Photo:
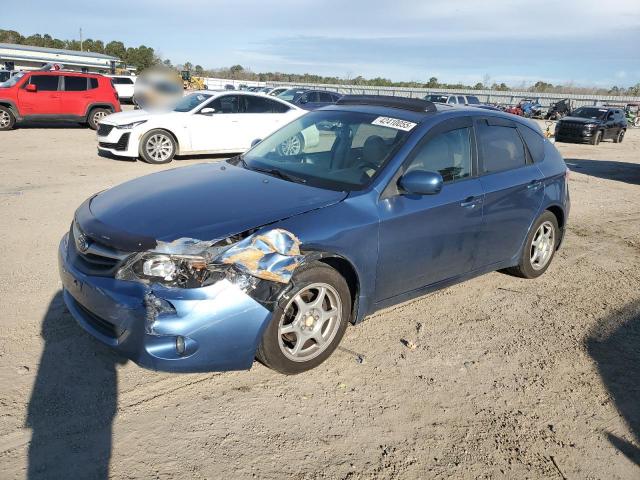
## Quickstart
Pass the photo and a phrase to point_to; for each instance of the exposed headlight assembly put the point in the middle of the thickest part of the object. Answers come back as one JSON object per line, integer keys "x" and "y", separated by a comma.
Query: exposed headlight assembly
{"x": 131, "y": 125}
{"x": 189, "y": 263}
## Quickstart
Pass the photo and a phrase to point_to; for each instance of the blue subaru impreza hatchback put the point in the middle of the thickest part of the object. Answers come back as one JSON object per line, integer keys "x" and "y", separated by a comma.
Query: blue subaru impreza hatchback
{"x": 271, "y": 254}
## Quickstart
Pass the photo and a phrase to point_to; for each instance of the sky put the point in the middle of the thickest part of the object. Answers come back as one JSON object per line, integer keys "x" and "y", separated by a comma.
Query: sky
{"x": 583, "y": 42}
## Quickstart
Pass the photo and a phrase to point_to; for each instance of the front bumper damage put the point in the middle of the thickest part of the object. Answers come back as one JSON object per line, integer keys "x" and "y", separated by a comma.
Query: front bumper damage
{"x": 211, "y": 328}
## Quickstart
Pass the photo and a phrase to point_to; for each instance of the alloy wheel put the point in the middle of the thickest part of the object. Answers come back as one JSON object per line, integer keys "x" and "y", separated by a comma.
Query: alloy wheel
{"x": 99, "y": 115}
{"x": 159, "y": 147}
{"x": 310, "y": 322}
{"x": 542, "y": 245}
{"x": 5, "y": 119}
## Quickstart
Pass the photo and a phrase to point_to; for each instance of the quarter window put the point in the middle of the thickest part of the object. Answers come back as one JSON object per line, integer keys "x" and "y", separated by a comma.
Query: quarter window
{"x": 448, "y": 154}
{"x": 45, "y": 83}
{"x": 93, "y": 83}
{"x": 500, "y": 148}
{"x": 75, "y": 84}
{"x": 534, "y": 141}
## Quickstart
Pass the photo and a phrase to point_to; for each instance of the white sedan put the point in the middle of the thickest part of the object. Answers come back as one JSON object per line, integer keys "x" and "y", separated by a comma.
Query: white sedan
{"x": 202, "y": 122}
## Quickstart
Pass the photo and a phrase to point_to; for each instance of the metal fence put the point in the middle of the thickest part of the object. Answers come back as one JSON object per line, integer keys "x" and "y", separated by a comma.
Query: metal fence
{"x": 486, "y": 96}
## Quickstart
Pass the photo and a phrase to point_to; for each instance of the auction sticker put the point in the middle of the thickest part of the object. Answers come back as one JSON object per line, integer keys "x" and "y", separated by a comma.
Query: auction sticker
{"x": 394, "y": 123}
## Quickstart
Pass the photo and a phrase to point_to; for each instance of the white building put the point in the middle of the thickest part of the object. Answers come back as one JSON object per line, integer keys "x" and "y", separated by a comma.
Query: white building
{"x": 26, "y": 57}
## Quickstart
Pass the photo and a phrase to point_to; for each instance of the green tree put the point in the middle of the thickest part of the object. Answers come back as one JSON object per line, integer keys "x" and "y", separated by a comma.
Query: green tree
{"x": 187, "y": 66}
{"x": 115, "y": 49}
{"x": 199, "y": 70}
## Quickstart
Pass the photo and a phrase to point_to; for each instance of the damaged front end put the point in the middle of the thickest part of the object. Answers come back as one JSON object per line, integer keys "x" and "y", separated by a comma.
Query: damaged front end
{"x": 189, "y": 305}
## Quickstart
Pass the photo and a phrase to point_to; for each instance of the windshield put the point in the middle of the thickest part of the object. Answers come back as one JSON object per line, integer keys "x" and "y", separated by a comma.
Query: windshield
{"x": 191, "y": 101}
{"x": 13, "y": 80}
{"x": 290, "y": 94}
{"x": 590, "y": 112}
{"x": 337, "y": 150}
{"x": 436, "y": 98}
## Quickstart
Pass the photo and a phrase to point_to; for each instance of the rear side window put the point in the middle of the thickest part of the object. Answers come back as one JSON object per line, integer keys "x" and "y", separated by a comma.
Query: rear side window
{"x": 534, "y": 142}
{"x": 93, "y": 83}
{"x": 45, "y": 83}
{"x": 326, "y": 97}
{"x": 500, "y": 148}
{"x": 75, "y": 84}
{"x": 448, "y": 154}
{"x": 461, "y": 100}
{"x": 263, "y": 105}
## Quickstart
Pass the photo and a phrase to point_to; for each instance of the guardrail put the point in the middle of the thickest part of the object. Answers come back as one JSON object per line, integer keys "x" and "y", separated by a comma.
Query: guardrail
{"x": 486, "y": 96}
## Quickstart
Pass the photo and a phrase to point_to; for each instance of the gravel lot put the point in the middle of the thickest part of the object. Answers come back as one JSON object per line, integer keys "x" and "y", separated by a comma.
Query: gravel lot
{"x": 511, "y": 378}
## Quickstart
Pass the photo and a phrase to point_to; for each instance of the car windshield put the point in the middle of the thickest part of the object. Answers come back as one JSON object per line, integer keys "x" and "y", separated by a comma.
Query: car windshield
{"x": 290, "y": 94}
{"x": 191, "y": 101}
{"x": 13, "y": 80}
{"x": 436, "y": 98}
{"x": 337, "y": 150}
{"x": 590, "y": 112}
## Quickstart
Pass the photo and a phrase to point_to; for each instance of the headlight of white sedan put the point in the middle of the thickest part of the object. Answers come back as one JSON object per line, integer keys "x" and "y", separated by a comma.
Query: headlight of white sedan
{"x": 131, "y": 125}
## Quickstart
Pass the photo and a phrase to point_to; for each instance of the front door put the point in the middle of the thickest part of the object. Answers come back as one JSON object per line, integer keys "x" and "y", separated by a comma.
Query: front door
{"x": 45, "y": 100}
{"x": 220, "y": 130}
{"x": 430, "y": 238}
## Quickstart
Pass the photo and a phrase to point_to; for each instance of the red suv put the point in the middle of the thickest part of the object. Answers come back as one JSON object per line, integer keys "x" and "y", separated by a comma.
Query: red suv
{"x": 57, "y": 96}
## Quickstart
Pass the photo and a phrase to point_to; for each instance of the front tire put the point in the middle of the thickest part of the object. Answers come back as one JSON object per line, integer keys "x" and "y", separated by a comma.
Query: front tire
{"x": 596, "y": 138}
{"x": 306, "y": 331}
{"x": 540, "y": 247}
{"x": 95, "y": 116}
{"x": 158, "y": 147}
{"x": 7, "y": 119}
{"x": 292, "y": 146}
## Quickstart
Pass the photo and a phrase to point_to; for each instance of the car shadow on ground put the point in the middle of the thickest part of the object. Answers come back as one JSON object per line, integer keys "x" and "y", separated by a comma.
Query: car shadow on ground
{"x": 607, "y": 169}
{"x": 614, "y": 344}
{"x": 73, "y": 401}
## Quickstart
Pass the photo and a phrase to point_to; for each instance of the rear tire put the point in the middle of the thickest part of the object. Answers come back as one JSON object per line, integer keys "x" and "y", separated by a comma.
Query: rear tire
{"x": 596, "y": 138}
{"x": 7, "y": 119}
{"x": 302, "y": 334}
{"x": 539, "y": 248}
{"x": 158, "y": 147}
{"x": 95, "y": 116}
{"x": 619, "y": 137}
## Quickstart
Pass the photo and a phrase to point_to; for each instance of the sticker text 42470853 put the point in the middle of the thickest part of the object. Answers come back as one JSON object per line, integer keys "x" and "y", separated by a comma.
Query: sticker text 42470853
{"x": 394, "y": 123}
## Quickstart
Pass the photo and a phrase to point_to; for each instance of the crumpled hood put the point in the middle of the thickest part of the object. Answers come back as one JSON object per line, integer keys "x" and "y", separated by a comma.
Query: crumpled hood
{"x": 205, "y": 202}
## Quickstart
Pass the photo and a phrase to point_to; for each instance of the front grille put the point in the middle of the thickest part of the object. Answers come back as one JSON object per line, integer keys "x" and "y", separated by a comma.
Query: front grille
{"x": 100, "y": 324}
{"x": 120, "y": 145}
{"x": 104, "y": 130}
{"x": 571, "y": 128}
{"x": 97, "y": 259}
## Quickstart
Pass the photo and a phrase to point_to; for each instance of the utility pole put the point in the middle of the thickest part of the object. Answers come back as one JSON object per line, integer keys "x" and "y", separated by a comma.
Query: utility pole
{"x": 81, "y": 39}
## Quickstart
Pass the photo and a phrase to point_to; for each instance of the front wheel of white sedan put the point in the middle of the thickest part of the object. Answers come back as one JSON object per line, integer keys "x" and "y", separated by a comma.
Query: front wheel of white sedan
{"x": 306, "y": 331}
{"x": 158, "y": 146}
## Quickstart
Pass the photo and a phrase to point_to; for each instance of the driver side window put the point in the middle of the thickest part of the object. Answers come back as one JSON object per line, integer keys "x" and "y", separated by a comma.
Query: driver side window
{"x": 448, "y": 153}
{"x": 226, "y": 104}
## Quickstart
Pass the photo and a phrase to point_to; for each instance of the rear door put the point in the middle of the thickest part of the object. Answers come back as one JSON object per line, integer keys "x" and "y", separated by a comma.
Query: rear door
{"x": 74, "y": 95}
{"x": 513, "y": 189}
{"x": 45, "y": 100}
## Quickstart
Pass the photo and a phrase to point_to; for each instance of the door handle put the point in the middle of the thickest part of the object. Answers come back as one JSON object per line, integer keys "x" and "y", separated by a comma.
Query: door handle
{"x": 471, "y": 202}
{"x": 534, "y": 185}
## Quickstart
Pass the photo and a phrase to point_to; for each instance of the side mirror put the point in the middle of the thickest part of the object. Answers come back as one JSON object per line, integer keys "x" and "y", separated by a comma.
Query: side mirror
{"x": 208, "y": 111}
{"x": 255, "y": 142}
{"x": 420, "y": 182}
{"x": 31, "y": 88}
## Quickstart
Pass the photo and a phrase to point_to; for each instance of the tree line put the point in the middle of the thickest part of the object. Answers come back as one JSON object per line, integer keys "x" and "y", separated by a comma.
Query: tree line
{"x": 143, "y": 57}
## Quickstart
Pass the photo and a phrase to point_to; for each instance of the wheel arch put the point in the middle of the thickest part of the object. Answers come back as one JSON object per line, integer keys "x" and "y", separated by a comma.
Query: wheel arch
{"x": 11, "y": 106}
{"x": 345, "y": 268}
{"x": 93, "y": 106}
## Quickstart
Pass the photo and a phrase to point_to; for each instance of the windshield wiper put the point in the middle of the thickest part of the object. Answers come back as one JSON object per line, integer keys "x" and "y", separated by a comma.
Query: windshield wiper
{"x": 277, "y": 173}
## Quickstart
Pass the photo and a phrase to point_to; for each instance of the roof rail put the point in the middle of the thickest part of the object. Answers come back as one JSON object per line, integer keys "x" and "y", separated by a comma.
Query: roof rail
{"x": 404, "y": 103}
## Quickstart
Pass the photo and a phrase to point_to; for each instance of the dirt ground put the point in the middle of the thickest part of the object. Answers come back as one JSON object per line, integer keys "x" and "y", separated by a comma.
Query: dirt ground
{"x": 511, "y": 378}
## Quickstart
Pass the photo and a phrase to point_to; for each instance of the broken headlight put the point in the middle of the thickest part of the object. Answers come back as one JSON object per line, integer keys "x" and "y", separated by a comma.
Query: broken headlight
{"x": 186, "y": 271}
